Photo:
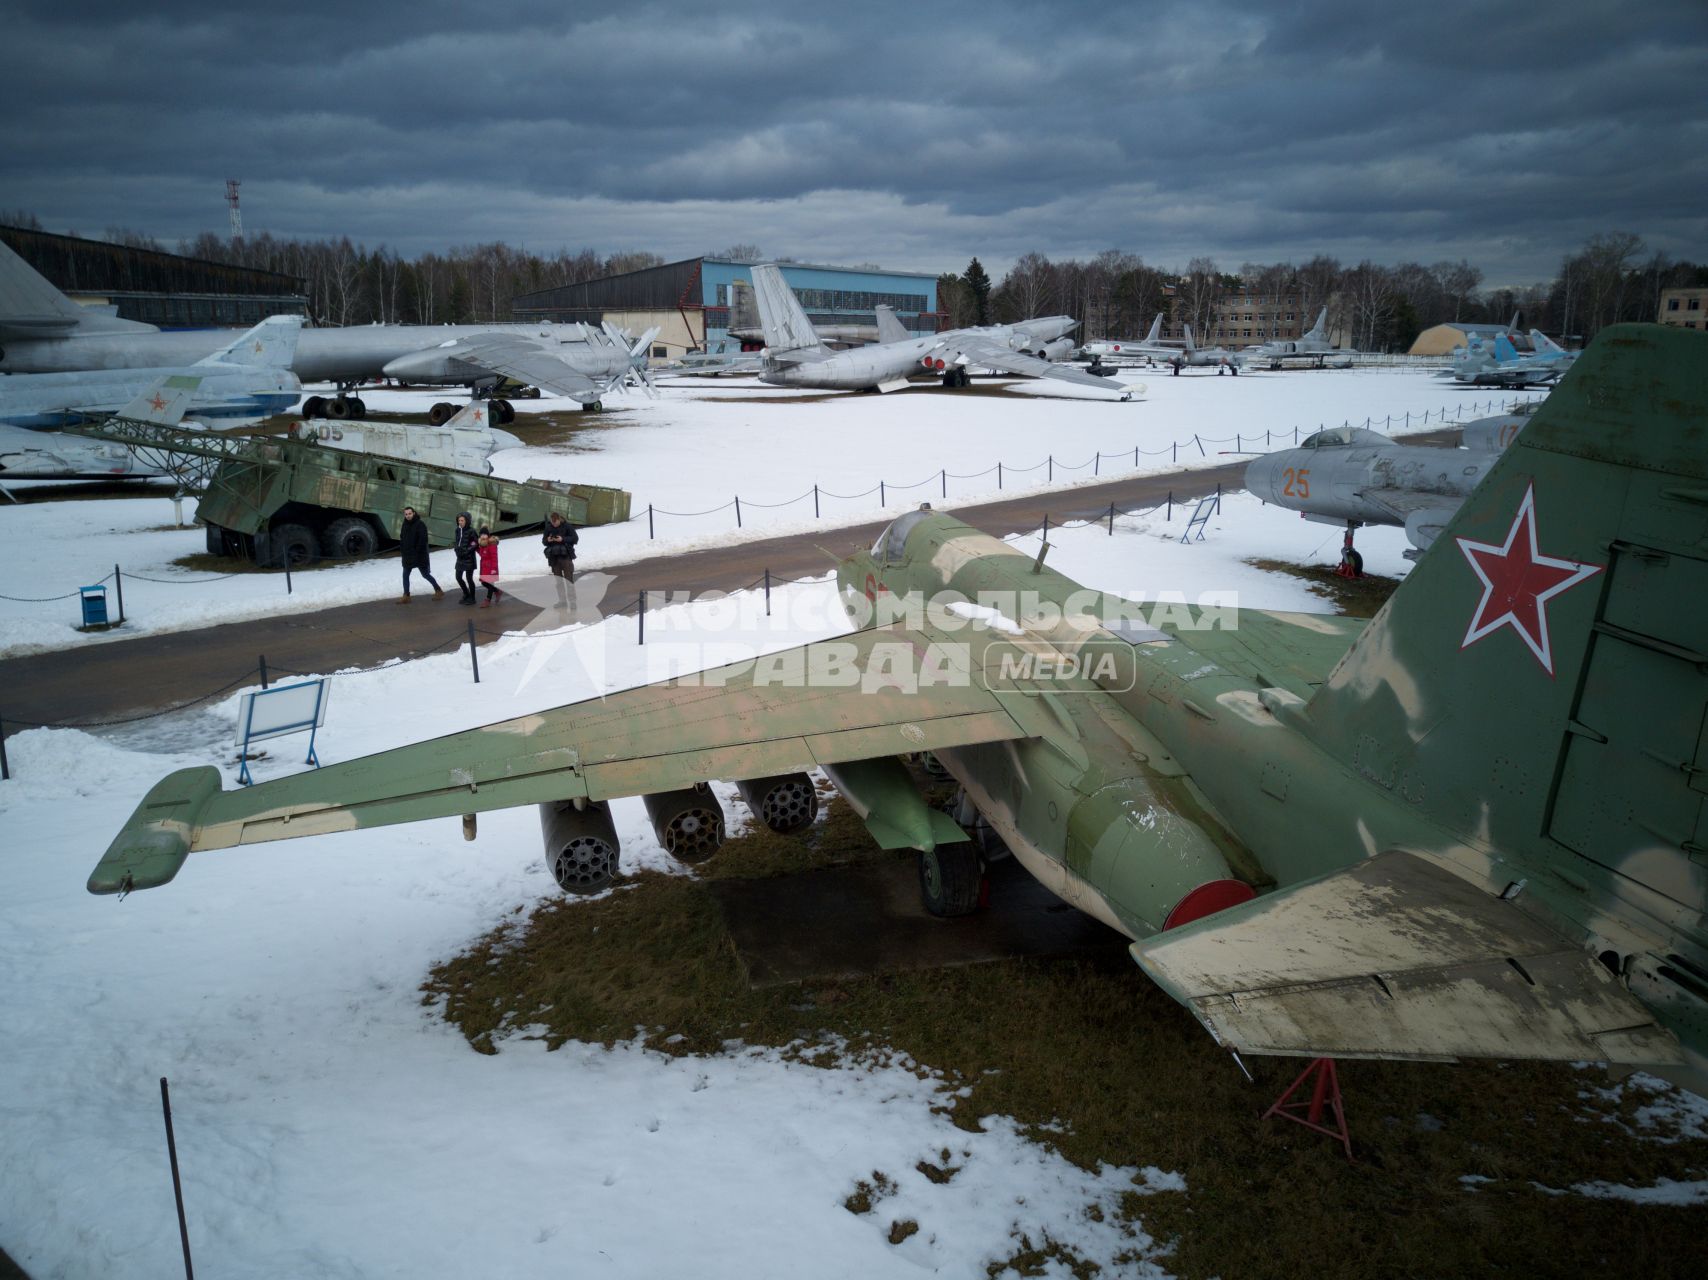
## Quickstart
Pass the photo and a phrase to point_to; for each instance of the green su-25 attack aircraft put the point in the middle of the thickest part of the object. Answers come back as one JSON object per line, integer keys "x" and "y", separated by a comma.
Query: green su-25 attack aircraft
{"x": 1474, "y": 827}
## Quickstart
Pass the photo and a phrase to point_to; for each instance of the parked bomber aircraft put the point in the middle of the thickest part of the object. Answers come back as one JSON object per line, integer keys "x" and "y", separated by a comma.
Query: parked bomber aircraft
{"x": 586, "y": 371}
{"x": 43, "y": 331}
{"x": 1311, "y": 347}
{"x": 710, "y": 364}
{"x": 1349, "y": 477}
{"x": 248, "y": 379}
{"x": 795, "y": 357}
{"x": 1469, "y": 828}
{"x": 1149, "y": 348}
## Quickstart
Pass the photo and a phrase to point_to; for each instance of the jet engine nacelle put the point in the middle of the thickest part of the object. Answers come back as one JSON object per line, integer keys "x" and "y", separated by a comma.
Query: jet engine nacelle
{"x": 689, "y": 823}
{"x": 1060, "y": 349}
{"x": 786, "y": 804}
{"x": 581, "y": 845}
{"x": 1146, "y": 859}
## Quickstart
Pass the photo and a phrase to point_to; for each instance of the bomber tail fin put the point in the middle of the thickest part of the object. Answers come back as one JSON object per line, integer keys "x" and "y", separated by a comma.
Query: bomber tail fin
{"x": 890, "y": 329}
{"x": 1190, "y": 345}
{"x": 1540, "y": 681}
{"x": 781, "y": 318}
{"x": 272, "y": 344}
{"x": 1316, "y": 330}
{"x": 1156, "y": 329}
{"x": 30, "y": 305}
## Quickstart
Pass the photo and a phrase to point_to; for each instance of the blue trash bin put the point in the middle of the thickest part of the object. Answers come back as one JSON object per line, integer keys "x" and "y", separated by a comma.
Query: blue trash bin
{"x": 94, "y": 606}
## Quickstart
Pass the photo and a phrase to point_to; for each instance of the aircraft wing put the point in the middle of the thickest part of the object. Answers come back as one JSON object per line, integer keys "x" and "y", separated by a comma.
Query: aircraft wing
{"x": 1397, "y": 957}
{"x": 528, "y": 362}
{"x": 991, "y": 355}
{"x": 742, "y": 721}
{"x": 1402, "y": 503}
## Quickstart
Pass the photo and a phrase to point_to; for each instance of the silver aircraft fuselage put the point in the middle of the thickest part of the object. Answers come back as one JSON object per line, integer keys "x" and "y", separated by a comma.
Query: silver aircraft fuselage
{"x": 322, "y": 355}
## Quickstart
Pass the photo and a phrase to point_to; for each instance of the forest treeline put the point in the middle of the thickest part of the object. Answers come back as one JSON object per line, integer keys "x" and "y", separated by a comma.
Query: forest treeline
{"x": 1612, "y": 277}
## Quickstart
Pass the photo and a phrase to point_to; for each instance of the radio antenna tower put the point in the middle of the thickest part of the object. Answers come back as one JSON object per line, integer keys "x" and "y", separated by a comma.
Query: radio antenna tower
{"x": 231, "y": 185}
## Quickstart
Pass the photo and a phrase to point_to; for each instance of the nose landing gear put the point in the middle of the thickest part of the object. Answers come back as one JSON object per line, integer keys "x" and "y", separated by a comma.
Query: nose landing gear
{"x": 1351, "y": 562}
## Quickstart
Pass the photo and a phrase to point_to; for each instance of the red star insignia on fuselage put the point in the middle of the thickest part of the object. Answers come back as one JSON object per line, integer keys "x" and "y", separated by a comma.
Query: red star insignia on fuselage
{"x": 477, "y": 416}
{"x": 159, "y": 402}
{"x": 1518, "y": 581}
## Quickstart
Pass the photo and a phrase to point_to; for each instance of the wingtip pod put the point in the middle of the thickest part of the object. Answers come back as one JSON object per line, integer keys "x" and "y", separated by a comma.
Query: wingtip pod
{"x": 155, "y": 841}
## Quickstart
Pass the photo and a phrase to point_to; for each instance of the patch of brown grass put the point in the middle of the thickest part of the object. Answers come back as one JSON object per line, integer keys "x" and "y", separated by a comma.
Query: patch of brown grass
{"x": 1100, "y": 1065}
{"x": 1352, "y": 597}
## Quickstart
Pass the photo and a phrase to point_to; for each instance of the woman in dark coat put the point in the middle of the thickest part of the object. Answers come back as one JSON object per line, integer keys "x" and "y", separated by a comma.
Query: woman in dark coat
{"x": 412, "y": 537}
{"x": 465, "y": 546}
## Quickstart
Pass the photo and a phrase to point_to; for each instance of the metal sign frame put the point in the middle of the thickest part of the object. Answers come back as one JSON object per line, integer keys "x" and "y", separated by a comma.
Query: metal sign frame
{"x": 292, "y": 719}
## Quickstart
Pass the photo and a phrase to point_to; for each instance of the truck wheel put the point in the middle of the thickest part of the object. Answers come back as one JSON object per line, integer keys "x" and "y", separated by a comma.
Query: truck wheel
{"x": 950, "y": 878}
{"x": 216, "y": 540}
{"x": 292, "y": 546}
{"x": 349, "y": 538}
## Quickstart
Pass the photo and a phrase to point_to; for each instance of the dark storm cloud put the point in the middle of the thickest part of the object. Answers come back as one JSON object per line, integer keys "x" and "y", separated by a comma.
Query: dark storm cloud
{"x": 893, "y": 133}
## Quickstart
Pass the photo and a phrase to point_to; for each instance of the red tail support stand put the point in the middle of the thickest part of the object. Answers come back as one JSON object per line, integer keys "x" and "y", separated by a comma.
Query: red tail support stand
{"x": 1325, "y": 1091}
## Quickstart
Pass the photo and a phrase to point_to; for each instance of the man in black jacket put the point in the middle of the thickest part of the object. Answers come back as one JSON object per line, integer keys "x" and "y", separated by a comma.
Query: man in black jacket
{"x": 559, "y": 539}
{"x": 412, "y": 538}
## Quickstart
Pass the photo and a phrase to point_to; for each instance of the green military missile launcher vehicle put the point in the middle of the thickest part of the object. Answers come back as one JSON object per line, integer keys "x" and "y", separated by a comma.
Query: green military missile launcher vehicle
{"x": 289, "y": 502}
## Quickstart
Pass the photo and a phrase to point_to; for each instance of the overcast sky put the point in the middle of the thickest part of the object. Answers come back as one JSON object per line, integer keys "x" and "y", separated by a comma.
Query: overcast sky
{"x": 1505, "y": 131}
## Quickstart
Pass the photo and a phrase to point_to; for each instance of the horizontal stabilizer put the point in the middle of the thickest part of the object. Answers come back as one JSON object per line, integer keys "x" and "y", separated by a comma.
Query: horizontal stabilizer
{"x": 1397, "y": 957}
{"x": 165, "y": 403}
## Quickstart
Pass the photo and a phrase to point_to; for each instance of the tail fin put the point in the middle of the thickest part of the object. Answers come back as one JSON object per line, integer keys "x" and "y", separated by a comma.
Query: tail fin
{"x": 164, "y": 403}
{"x": 1504, "y": 351}
{"x": 1543, "y": 345}
{"x": 272, "y": 344}
{"x": 784, "y": 324}
{"x": 1540, "y": 681}
{"x": 889, "y": 328}
{"x": 1156, "y": 329}
{"x": 30, "y": 306}
{"x": 1190, "y": 348}
{"x": 1316, "y": 330}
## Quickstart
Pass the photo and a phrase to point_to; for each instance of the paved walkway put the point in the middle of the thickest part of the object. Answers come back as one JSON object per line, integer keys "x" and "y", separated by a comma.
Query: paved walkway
{"x": 131, "y": 678}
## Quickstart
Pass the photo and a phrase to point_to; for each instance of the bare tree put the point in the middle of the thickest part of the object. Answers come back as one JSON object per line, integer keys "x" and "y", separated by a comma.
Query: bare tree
{"x": 1200, "y": 290}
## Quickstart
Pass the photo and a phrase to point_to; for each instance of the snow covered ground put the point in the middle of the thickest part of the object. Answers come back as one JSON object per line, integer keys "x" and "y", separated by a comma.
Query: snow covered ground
{"x": 326, "y": 1122}
{"x": 701, "y": 444}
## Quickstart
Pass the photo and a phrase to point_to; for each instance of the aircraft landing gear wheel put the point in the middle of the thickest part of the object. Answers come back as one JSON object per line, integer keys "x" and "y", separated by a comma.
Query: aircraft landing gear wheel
{"x": 596, "y": 406}
{"x": 503, "y": 412}
{"x": 314, "y": 407}
{"x": 441, "y": 413}
{"x": 338, "y": 408}
{"x": 358, "y": 407}
{"x": 951, "y": 879}
{"x": 1351, "y": 563}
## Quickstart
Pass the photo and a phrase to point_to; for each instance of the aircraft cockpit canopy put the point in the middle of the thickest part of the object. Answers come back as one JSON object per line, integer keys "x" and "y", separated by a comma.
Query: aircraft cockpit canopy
{"x": 892, "y": 542}
{"x": 1340, "y": 437}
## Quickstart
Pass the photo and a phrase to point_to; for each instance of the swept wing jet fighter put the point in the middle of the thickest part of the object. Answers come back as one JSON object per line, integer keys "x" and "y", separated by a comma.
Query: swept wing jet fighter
{"x": 794, "y": 356}
{"x": 1350, "y": 477}
{"x": 248, "y": 379}
{"x": 1311, "y": 347}
{"x": 1500, "y": 364}
{"x": 53, "y": 455}
{"x": 1469, "y": 828}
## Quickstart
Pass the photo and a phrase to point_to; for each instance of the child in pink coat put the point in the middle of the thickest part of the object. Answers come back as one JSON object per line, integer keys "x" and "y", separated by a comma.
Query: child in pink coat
{"x": 488, "y": 544}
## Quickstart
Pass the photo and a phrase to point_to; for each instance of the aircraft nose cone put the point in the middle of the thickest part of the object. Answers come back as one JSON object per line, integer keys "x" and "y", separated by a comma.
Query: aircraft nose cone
{"x": 405, "y": 367}
{"x": 1260, "y": 476}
